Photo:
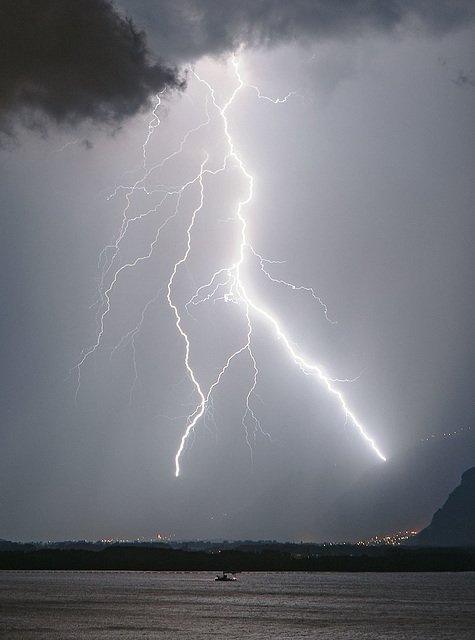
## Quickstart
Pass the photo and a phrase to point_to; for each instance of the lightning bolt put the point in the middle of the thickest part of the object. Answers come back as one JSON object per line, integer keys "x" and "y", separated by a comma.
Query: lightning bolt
{"x": 227, "y": 284}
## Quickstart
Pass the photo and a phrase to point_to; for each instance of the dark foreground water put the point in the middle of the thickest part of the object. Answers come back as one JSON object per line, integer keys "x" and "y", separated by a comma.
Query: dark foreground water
{"x": 115, "y": 605}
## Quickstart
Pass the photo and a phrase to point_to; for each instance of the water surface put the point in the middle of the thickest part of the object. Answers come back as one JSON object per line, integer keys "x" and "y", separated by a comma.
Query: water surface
{"x": 95, "y": 605}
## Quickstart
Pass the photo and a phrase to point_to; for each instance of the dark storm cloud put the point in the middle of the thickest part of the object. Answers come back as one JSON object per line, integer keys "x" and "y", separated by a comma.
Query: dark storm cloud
{"x": 73, "y": 60}
{"x": 191, "y": 28}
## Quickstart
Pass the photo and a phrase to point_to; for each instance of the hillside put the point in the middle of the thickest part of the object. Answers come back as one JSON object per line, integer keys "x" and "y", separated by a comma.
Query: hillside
{"x": 403, "y": 493}
{"x": 454, "y": 523}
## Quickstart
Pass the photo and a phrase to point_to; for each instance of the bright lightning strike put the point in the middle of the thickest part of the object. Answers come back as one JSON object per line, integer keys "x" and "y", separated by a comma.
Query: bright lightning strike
{"x": 227, "y": 284}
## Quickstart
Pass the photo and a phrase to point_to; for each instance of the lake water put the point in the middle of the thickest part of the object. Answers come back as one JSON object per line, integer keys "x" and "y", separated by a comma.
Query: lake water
{"x": 146, "y": 605}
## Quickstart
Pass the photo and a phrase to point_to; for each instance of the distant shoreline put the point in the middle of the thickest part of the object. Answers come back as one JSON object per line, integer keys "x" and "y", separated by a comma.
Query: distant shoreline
{"x": 336, "y": 559}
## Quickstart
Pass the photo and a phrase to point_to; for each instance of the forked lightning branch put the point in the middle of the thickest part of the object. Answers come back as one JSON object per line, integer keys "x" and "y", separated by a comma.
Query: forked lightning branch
{"x": 228, "y": 284}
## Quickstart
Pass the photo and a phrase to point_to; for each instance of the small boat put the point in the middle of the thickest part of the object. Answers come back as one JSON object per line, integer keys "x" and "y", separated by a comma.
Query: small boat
{"x": 225, "y": 577}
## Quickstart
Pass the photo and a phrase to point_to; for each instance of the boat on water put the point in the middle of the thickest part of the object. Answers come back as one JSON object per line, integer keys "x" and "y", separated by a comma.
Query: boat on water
{"x": 225, "y": 577}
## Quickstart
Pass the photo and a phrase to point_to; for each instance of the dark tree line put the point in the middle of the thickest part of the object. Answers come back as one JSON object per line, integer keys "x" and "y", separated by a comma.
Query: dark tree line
{"x": 131, "y": 558}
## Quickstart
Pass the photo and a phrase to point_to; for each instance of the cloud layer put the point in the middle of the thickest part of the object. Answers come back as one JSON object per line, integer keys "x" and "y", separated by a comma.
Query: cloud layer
{"x": 190, "y": 29}
{"x": 69, "y": 61}
{"x": 73, "y": 60}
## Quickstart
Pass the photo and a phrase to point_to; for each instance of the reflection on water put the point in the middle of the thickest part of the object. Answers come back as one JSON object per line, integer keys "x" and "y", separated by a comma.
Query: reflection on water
{"x": 148, "y": 605}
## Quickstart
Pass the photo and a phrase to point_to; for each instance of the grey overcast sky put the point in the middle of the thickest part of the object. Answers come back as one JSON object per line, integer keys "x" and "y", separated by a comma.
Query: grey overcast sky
{"x": 353, "y": 133}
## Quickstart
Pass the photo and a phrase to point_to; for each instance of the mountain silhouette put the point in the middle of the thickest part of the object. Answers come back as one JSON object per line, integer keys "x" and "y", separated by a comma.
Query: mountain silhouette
{"x": 403, "y": 493}
{"x": 453, "y": 524}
